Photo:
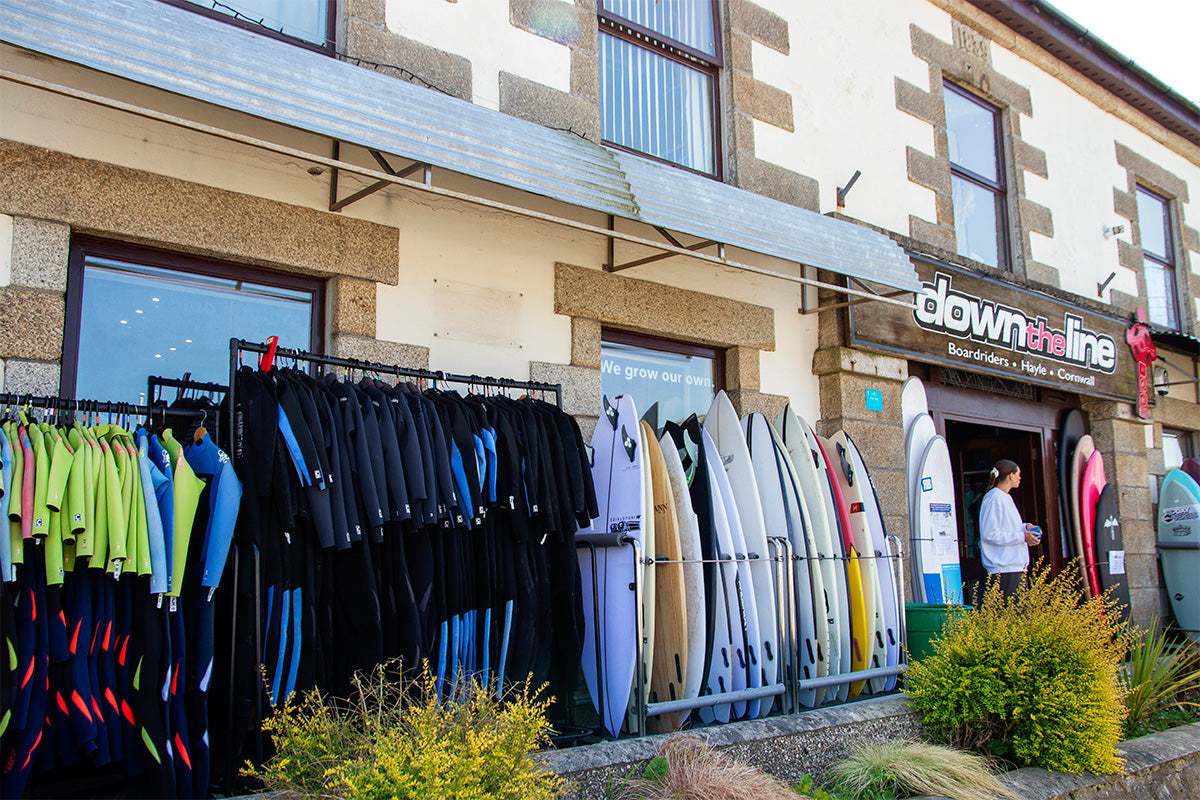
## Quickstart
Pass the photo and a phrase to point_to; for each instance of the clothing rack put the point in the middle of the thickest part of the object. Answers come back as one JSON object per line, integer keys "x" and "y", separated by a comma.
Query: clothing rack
{"x": 155, "y": 382}
{"x": 72, "y": 404}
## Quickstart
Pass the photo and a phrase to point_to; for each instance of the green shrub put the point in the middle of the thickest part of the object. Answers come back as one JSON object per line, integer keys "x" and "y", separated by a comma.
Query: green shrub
{"x": 1032, "y": 679}
{"x": 401, "y": 741}
{"x": 1157, "y": 678}
{"x": 878, "y": 770}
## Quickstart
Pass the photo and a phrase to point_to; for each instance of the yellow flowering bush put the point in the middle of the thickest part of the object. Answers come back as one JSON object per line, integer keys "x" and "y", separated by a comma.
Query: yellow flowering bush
{"x": 1032, "y": 679}
{"x": 392, "y": 741}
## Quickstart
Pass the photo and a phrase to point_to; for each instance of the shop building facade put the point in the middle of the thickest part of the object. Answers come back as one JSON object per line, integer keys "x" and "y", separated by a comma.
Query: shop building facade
{"x": 522, "y": 221}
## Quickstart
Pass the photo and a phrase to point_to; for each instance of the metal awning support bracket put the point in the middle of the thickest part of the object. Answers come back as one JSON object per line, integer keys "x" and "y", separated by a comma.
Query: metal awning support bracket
{"x": 671, "y": 239}
{"x": 871, "y": 294}
{"x": 337, "y": 205}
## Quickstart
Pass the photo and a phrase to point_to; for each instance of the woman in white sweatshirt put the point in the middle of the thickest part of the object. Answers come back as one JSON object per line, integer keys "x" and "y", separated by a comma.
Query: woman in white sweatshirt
{"x": 1006, "y": 539}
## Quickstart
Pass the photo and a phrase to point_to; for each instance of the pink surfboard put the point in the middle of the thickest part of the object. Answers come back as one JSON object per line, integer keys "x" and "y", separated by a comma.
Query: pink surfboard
{"x": 1091, "y": 486}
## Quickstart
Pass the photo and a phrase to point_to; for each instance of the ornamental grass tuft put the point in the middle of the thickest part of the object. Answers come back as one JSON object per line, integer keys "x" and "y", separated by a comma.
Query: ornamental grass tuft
{"x": 907, "y": 768}
{"x": 1032, "y": 679}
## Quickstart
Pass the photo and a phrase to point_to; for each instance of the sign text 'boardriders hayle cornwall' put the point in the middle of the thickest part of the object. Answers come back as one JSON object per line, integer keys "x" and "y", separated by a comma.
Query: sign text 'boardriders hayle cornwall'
{"x": 962, "y": 315}
{"x": 969, "y": 321}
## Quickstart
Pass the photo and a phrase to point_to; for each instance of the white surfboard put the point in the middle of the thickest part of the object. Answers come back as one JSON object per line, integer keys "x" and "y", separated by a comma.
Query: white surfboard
{"x": 810, "y": 469}
{"x": 783, "y": 512}
{"x": 693, "y": 574}
{"x": 919, "y": 433}
{"x": 729, "y": 641}
{"x": 889, "y": 598}
{"x": 937, "y": 526}
{"x": 725, "y": 428}
{"x": 743, "y": 611}
{"x": 620, "y": 495}
{"x": 913, "y": 401}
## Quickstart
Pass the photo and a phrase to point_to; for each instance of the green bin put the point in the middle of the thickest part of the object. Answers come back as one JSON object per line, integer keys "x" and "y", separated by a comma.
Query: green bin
{"x": 924, "y": 623}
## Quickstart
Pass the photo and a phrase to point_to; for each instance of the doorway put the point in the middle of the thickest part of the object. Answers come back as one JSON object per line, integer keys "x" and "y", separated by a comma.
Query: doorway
{"x": 974, "y": 450}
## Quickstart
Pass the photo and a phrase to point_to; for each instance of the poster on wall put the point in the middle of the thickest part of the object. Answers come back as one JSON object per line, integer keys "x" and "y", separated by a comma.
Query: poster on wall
{"x": 980, "y": 324}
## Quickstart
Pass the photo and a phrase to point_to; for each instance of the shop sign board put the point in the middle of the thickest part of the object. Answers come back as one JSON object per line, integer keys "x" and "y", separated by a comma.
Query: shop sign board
{"x": 980, "y": 324}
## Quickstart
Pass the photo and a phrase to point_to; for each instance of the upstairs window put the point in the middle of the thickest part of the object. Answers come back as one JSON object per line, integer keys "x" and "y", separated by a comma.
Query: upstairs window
{"x": 309, "y": 21}
{"x": 658, "y": 79}
{"x": 1158, "y": 258}
{"x": 977, "y": 178}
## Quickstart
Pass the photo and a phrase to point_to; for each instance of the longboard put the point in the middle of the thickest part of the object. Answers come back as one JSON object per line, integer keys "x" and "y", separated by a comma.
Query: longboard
{"x": 723, "y": 425}
{"x": 913, "y": 401}
{"x": 817, "y": 501}
{"x": 937, "y": 521}
{"x": 782, "y": 516}
{"x": 1091, "y": 485}
{"x": 918, "y": 435}
{"x": 1110, "y": 550}
{"x": 1179, "y": 547}
{"x": 669, "y": 667}
{"x": 1068, "y": 439}
{"x": 610, "y": 629}
{"x": 862, "y": 587}
{"x": 1083, "y": 451}
{"x": 649, "y": 579}
{"x": 860, "y": 482}
{"x": 693, "y": 576}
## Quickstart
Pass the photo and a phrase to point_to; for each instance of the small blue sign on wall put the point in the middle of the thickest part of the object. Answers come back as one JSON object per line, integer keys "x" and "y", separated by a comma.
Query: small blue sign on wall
{"x": 874, "y": 400}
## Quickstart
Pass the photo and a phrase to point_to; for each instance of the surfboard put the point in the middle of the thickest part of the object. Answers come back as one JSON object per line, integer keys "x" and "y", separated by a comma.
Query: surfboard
{"x": 794, "y": 436}
{"x": 747, "y": 672}
{"x": 1192, "y": 467}
{"x": 695, "y": 602}
{"x": 860, "y": 481}
{"x": 782, "y": 517}
{"x": 1070, "y": 433}
{"x": 843, "y": 562}
{"x": 1110, "y": 550}
{"x": 650, "y": 572}
{"x": 620, "y": 495}
{"x": 728, "y": 666}
{"x": 669, "y": 667}
{"x": 864, "y": 546}
{"x": 920, "y": 433}
{"x": 937, "y": 518}
{"x": 861, "y": 585}
{"x": 1091, "y": 485}
{"x": 1179, "y": 548}
{"x": 1083, "y": 451}
{"x": 723, "y": 425}
{"x": 913, "y": 401}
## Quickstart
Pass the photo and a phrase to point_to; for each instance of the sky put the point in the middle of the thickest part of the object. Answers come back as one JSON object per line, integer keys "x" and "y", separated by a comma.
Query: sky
{"x": 1162, "y": 36}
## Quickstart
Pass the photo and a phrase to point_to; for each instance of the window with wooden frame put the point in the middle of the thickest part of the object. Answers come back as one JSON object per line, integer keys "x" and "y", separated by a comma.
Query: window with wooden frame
{"x": 682, "y": 378}
{"x": 979, "y": 187}
{"x": 133, "y": 312}
{"x": 659, "y": 61}
{"x": 1158, "y": 258}
{"x": 310, "y": 23}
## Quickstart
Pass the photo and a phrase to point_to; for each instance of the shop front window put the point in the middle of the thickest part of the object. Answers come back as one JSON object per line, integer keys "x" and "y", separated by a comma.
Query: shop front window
{"x": 138, "y": 313}
{"x": 681, "y": 378}
{"x": 1177, "y": 446}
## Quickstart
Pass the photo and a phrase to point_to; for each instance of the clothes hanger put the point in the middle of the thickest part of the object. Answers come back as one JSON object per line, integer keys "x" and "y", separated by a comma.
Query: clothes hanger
{"x": 200, "y": 433}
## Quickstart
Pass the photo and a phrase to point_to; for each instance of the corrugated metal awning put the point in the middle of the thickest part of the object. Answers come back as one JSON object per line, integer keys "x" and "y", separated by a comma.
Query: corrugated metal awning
{"x": 169, "y": 48}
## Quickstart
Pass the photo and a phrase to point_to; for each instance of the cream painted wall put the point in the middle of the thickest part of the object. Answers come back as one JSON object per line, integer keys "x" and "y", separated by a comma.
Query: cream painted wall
{"x": 844, "y": 102}
{"x": 481, "y": 31}
{"x": 1083, "y": 172}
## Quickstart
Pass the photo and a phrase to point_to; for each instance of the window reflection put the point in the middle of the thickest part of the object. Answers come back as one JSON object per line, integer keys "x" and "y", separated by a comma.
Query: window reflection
{"x": 681, "y": 384}
{"x": 139, "y": 320}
